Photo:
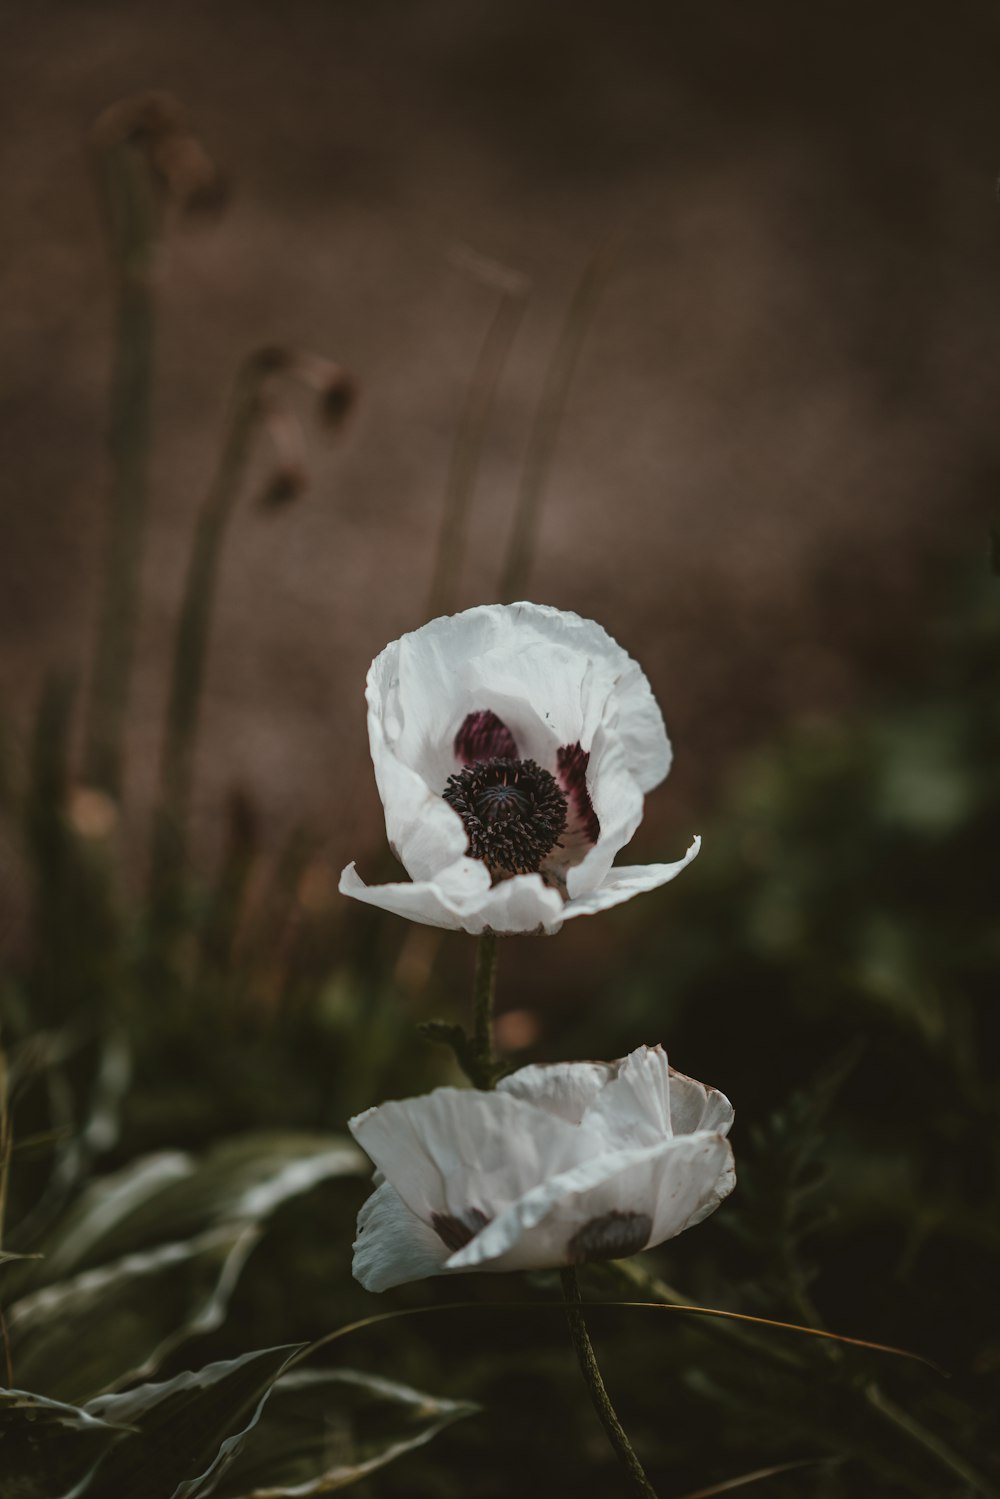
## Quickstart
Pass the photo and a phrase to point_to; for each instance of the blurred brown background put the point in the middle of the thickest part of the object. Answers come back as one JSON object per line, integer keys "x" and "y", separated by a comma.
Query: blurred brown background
{"x": 783, "y": 428}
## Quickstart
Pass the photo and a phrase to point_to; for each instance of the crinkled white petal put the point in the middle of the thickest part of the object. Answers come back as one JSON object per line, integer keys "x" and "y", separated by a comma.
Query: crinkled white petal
{"x": 633, "y": 1110}
{"x": 695, "y": 1106}
{"x": 457, "y": 1149}
{"x": 675, "y": 1184}
{"x": 566, "y": 1089}
{"x": 522, "y": 904}
{"x": 394, "y": 1245}
{"x": 554, "y": 679}
{"x": 622, "y": 882}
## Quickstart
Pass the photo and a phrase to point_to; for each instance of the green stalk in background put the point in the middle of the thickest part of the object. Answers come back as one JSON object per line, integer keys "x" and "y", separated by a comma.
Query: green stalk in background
{"x": 250, "y": 413}
{"x": 144, "y": 158}
{"x": 468, "y": 446}
{"x": 191, "y": 644}
{"x": 132, "y": 216}
{"x": 545, "y": 429}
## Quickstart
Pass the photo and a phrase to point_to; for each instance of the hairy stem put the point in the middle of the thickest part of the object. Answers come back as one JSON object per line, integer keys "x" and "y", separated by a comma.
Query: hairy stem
{"x": 483, "y": 1062}
{"x": 587, "y": 1360}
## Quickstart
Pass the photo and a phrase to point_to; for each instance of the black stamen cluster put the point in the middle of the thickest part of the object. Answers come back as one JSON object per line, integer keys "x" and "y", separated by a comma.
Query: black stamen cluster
{"x": 513, "y": 812}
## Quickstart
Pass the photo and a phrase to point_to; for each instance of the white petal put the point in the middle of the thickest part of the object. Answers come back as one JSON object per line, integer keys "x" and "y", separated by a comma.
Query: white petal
{"x": 618, "y": 802}
{"x": 457, "y": 1151}
{"x": 425, "y": 834}
{"x": 393, "y": 1245}
{"x": 695, "y": 1106}
{"x": 563, "y": 1088}
{"x": 696, "y": 1173}
{"x": 624, "y": 881}
{"x": 633, "y": 1110}
{"x": 534, "y": 1232}
{"x": 462, "y": 899}
{"x": 673, "y": 1185}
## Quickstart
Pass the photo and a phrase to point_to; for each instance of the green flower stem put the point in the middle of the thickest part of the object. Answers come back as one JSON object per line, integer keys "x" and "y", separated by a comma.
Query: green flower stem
{"x": 598, "y": 1392}
{"x": 474, "y": 1053}
{"x": 482, "y": 1068}
{"x": 483, "y": 992}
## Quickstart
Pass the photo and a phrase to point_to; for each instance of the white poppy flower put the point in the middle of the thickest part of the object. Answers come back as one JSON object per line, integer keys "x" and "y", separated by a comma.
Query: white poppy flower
{"x": 559, "y": 1165}
{"x": 512, "y": 745}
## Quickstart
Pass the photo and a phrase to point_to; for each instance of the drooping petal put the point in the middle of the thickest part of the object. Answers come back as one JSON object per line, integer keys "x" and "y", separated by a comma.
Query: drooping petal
{"x": 696, "y": 1173}
{"x": 394, "y": 1245}
{"x": 695, "y": 1106}
{"x": 462, "y": 899}
{"x": 674, "y": 1185}
{"x": 466, "y": 1156}
{"x": 622, "y": 882}
{"x": 634, "y": 1109}
{"x": 566, "y": 1089}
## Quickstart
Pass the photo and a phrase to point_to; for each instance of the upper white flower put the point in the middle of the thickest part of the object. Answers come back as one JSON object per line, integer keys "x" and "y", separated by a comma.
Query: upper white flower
{"x": 560, "y": 1164}
{"x": 512, "y": 745}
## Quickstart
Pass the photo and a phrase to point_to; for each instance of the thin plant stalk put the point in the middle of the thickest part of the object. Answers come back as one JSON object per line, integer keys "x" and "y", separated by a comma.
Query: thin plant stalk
{"x": 545, "y": 428}
{"x": 467, "y": 450}
{"x": 587, "y": 1360}
{"x": 132, "y": 217}
{"x": 484, "y": 990}
{"x": 483, "y": 1072}
{"x": 191, "y": 645}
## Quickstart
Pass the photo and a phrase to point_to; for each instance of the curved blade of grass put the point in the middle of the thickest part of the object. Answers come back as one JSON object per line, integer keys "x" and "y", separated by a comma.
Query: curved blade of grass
{"x": 744, "y": 1479}
{"x": 172, "y": 1196}
{"x": 105, "y": 1328}
{"x": 323, "y": 1429}
{"x": 186, "y": 1430}
{"x": 656, "y": 1306}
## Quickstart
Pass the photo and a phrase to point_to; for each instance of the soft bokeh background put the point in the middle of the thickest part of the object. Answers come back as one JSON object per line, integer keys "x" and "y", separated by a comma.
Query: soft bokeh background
{"x": 773, "y": 483}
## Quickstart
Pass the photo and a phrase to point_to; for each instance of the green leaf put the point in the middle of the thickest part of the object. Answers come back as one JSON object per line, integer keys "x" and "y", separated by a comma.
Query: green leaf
{"x": 171, "y": 1195}
{"x": 185, "y": 1430}
{"x": 327, "y": 1428}
{"x": 103, "y": 1328}
{"x": 48, "y": 1450}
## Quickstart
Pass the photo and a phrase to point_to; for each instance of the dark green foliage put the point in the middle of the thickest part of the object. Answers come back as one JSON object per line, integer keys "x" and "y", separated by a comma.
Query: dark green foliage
{"x": 46, "y": 1448}
{"x": 184, "y": 1431}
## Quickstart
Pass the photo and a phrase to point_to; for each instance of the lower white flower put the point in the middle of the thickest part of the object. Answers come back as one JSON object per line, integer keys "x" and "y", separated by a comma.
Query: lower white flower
{"x": 559, "y": 1165}
{"x": 513, "y": 745}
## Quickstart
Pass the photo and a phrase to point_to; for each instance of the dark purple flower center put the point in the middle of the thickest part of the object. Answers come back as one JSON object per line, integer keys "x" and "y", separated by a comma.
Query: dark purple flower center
{"x": 513, "y": 812}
